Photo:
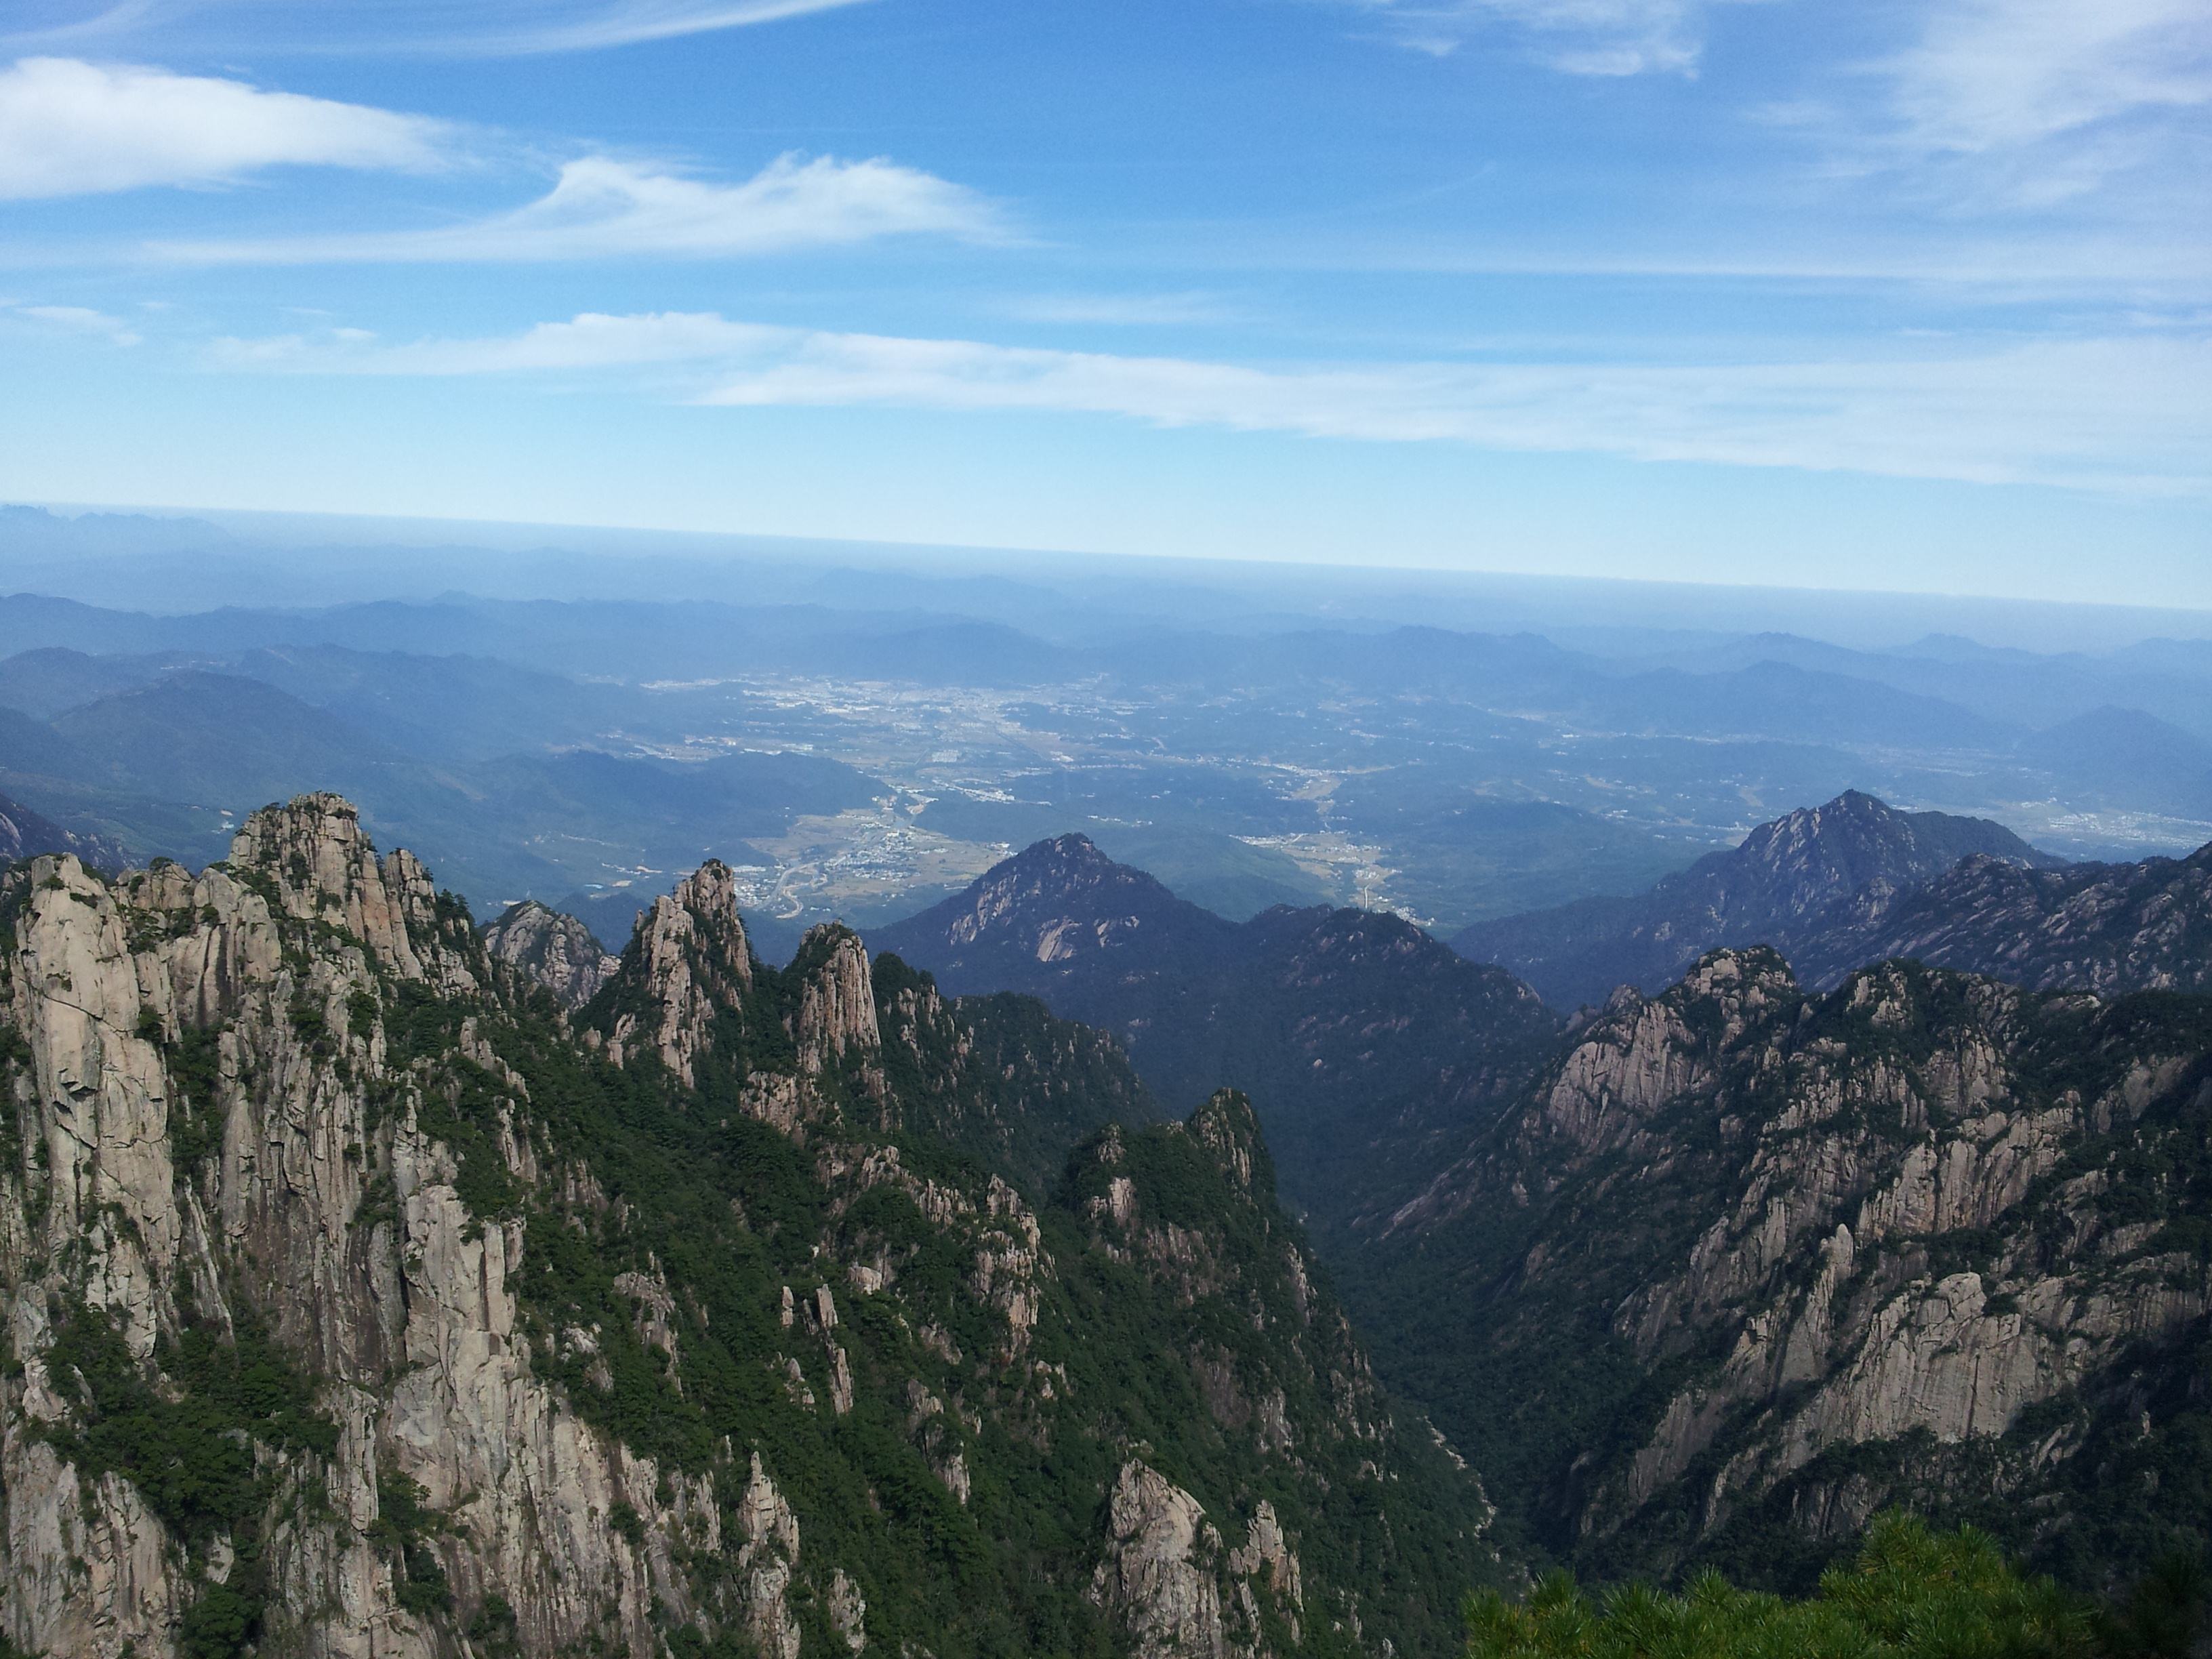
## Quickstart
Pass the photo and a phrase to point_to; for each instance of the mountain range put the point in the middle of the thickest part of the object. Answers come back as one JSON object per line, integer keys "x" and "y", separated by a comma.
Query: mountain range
{"x": 366, "y": 1295}
{"x": 1721, "y": 1268}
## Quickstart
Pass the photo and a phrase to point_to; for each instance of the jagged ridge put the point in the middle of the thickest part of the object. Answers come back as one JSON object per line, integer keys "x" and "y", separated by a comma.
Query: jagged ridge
{"x": 697, "y": 1314}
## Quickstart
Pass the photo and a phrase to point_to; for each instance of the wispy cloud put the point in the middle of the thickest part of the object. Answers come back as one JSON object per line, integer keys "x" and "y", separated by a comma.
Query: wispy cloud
{"x": 1578, "y": 37}
{"x": 2123, "y": 414}
{"x": 79, "y": 320}
{"x": 72, "y": 128}
{"x": 419, "y": 27}
{"x": 601, "y": 207}
{"x": 2013, "y": 103}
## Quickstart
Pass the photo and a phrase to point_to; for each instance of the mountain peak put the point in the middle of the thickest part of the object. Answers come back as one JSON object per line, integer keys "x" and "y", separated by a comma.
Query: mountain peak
{"x": 1054, "y": 904}
{"x": 319, "y": 866}
{"x": 556, "y": 949}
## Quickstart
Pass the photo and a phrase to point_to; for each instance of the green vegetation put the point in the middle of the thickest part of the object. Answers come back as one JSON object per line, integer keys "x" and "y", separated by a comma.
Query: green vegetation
{"x": 1910, "y": 1594}
{"x": 187, "y": 1444}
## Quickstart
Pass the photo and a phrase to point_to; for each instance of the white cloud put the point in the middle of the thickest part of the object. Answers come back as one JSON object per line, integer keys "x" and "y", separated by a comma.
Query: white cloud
{"x": 72, "y": 128}
{"x": 603, "y": 207}
{"x": 1580, "y": 37}
{"x": 436, "y": 27}
{"x": 80, "y": 319}
{"x": 2011, "y": 104}
{"x": 1994, "y": 74}
{"x": 2125, "y": 415}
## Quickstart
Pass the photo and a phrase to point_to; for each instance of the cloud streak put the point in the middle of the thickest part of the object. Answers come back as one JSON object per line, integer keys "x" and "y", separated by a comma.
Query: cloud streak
{"x": 72, "y": 128}
{"x": 81, "y": 321}
{"x": 2123, "y": 415}
{"x": 601, "y": 207}
{"x": 412, "y": 28}
{"x": 1576, "y": 37}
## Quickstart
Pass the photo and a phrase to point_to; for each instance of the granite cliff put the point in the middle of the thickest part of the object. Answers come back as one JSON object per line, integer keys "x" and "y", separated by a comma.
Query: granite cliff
{"x": 371, "y": 1290}
{"x": 1748, "y": 1263}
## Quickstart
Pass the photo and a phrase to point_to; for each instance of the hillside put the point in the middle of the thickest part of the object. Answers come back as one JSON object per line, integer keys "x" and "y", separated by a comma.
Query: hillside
{"x": 1361, "y": 1038}
{"x": 1780, "y": 881}
{"x": 358, "y": 1286}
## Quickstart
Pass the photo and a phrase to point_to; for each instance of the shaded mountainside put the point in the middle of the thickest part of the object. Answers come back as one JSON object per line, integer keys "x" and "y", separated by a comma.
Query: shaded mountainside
{"x": 1749, "y": 1264}
{"x": 24, "y": 834}
{"x": 2103, "y": 927}
{"x": 1779, "y": 882}
{"x": 1365, "y": 1041}
{"x": 363, "y": 1299}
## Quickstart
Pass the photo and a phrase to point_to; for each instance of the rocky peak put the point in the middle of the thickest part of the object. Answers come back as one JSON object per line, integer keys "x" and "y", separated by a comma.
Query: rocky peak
{"x": 1808, "y": 859}
{"x": 1228, "y": 1130}
{"x": 319, "y": 866}
{"x": 836, "y": 1011}
{"x": 556, "y": 951}
{"x": 687, "y": 959}
{"x": 1788, "y": 877}
{"x": 1043, "y": 914}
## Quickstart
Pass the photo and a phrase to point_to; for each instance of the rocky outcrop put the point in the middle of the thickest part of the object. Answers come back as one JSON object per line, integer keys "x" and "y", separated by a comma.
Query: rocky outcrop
{"x": 690, "y": 962}
{"x": 553, "y": 950}
{"x": 836, "y": 1014}
{"x": 445, "y": 1322}
{"x": 1174, "y": 1588}
{"x": 1899, "y": 1240}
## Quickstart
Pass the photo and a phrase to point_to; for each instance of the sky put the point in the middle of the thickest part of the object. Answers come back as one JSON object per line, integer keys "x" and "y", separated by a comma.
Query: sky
{"x": 1887, "y": 295}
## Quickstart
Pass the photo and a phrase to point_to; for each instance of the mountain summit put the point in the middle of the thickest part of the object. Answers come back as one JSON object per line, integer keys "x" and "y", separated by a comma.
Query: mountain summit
{"x": 1784, "y": 877}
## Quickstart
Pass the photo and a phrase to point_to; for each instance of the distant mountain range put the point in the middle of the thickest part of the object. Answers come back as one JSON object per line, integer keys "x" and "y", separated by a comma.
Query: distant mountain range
{"x": 1779, "y": 886}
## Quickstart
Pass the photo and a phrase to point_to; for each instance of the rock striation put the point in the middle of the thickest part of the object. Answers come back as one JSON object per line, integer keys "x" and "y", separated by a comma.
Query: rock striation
{"x": 362, "y": 1301}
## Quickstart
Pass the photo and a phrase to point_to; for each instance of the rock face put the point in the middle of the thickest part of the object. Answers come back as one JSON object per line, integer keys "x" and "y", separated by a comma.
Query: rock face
{"x": 1358, "y": 1034}
{"x": 359, "y": 1302}
{"x": 24, "y": 834}
{"x": 1779, "y": 884}
{"x": 1781, "y": 1259}
{"x": 552, "y": 950}
{"x": 2109, "y": 929}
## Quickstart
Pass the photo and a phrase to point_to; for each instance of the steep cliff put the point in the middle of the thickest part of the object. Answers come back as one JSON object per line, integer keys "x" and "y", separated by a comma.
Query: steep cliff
{"x": 362, "y": 1301}
{"x": 1748, "y": 1264}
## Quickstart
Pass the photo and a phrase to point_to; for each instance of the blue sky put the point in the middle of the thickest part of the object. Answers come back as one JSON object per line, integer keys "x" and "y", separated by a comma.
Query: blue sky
{"x": 1888, "y": 295}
